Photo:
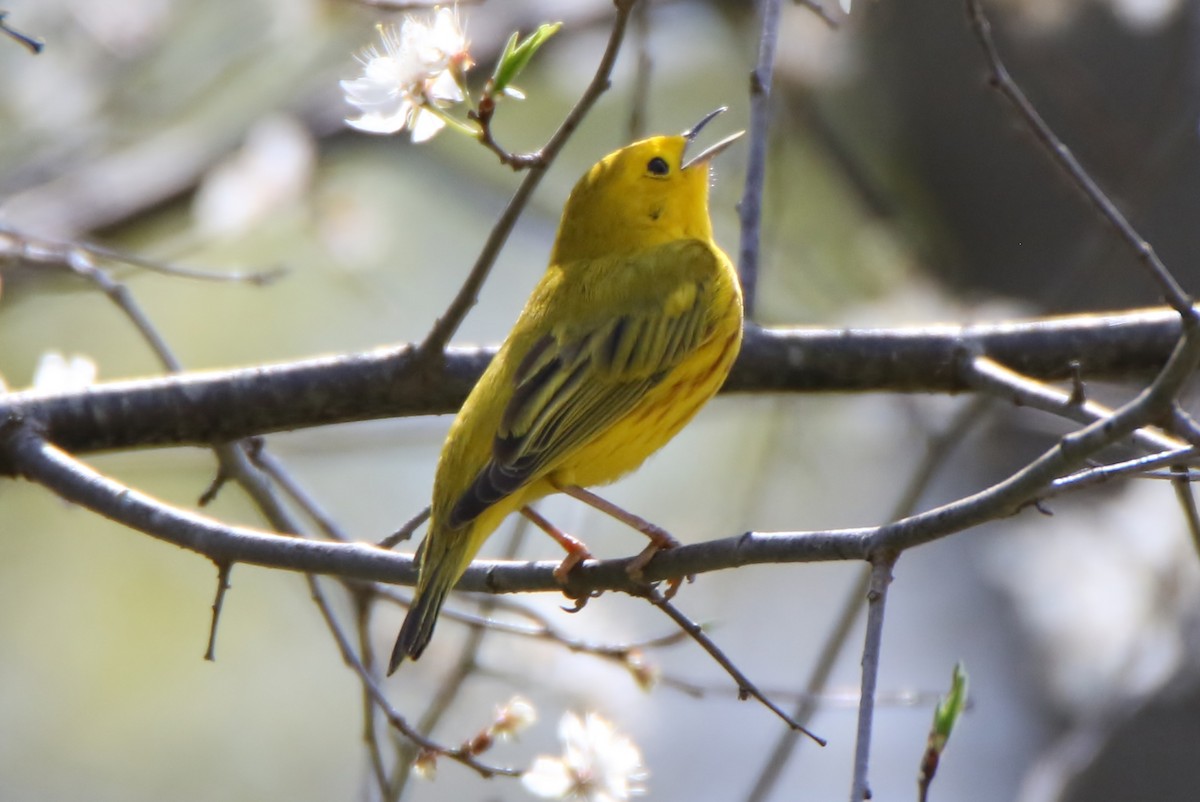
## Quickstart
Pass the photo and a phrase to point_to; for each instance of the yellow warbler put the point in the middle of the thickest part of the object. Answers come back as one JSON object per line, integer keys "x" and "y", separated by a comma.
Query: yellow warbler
{"x": 631, "y": 330}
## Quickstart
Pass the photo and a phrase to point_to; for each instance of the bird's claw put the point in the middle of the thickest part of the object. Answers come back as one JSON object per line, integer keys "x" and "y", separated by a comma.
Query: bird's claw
{"x": 573, "y": 558}
{"x": 638, "y": 564}
{"x": 580, "y": 602}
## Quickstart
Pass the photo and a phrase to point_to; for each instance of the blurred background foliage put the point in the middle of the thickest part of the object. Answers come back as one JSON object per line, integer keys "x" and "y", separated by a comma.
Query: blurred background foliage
{"x": 899, "y": 191}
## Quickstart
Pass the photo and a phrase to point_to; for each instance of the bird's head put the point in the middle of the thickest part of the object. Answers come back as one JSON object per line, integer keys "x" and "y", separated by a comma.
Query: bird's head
{"x": 645, "y": 194}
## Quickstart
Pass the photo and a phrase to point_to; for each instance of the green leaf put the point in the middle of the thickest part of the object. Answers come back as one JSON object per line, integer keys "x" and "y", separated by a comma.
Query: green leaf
{"x": 516, "y": 56}
{"x": 945, "y": 716}
{"x": 948, "y": 711}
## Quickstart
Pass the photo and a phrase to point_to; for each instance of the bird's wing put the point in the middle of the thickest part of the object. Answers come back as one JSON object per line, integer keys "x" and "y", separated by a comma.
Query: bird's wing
{"x": 574, "y": 384}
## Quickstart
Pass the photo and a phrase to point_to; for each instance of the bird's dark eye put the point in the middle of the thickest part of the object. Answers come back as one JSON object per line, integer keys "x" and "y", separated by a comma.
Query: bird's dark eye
{"x": 658, "y": 166}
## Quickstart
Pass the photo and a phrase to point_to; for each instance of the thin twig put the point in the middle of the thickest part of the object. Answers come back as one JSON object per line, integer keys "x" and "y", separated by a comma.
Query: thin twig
{"x": 274, "y": 468}
{"x": 468, "y": 293}
{"x": 1187, "y": 500}
{"x": 746, "y": 688}
{"x": 33, "y": 45}
{"x": 406, "y": 531}
{"x": 483, "y": 115}
{"x": 218, "y": 604}
{"x": 55, "y": 253}
{"x": 1172, "y": 292}
{"x": 1141, "y": 466}
{"x": 82, "y": 265}
{"x": 991, "y": 377}
{"x": 1184, "y": 425}
{"x": 881, "y": 578}
{"x": 750, "y": 207}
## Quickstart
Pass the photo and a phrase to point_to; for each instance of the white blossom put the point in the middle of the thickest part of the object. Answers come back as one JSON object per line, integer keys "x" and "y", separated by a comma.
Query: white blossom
{"x": 517, "y": 715}
{"x": 419, "y": 69}
{"x": 271, "y": 170}
{"x": 56, "y": 373}
{"x": 597, "y": 764}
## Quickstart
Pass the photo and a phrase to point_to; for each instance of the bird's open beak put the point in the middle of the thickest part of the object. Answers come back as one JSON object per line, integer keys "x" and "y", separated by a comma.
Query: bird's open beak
{"x": 710, "y": 152}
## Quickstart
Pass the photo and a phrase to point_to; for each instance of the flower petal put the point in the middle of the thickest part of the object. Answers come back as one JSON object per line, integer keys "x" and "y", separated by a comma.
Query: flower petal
{"x": 548, "y": 778}
{"x": 425, "y": 125}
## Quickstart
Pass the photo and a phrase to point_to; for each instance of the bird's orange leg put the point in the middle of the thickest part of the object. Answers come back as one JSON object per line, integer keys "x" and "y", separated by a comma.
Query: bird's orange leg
{"x": 659, "y": 538}
{"x": 576, "y": 549}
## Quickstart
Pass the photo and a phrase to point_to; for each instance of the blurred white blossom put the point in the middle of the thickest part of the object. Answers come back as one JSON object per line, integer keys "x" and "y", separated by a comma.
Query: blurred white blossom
{"x": 517, "y": 715}
{"x": 272, "y": 169}
{"x": 597, "y": 764}
{"x": 418, "y": 71}
{"x": 56, "y": 373}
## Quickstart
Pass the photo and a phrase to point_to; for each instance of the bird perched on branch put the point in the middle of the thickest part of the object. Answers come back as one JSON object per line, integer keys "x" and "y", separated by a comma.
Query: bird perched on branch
{"x": 633, "y": 327}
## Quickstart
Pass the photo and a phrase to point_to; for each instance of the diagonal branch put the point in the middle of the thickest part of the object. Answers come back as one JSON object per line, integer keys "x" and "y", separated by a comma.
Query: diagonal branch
{"x": 991, "y": 377}
{"x": 468, "y": 294}
{"x": 1172, "y": 292}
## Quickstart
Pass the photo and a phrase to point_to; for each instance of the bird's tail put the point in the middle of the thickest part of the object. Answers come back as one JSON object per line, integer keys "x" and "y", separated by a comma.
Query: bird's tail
{"x": 418, "y": 625}
{"x": 439, "y": 571}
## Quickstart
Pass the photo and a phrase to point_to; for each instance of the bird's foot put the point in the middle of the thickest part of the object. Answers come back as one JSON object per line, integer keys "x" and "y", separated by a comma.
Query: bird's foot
{"x": 577, "y": 552}
{"x": 658, "y": 543}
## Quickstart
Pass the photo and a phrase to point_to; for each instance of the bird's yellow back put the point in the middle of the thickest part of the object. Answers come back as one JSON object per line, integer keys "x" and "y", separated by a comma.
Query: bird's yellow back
{"x": 634, "y": 326}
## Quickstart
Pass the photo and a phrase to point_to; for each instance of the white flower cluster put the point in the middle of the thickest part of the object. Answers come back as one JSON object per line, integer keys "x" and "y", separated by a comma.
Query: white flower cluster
{"x": 597, "y": 765}
{"x": 418, "y": 72}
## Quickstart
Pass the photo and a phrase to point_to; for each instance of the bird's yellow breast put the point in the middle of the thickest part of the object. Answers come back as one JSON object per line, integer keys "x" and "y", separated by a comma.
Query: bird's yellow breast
{"x": 675, "y": 400}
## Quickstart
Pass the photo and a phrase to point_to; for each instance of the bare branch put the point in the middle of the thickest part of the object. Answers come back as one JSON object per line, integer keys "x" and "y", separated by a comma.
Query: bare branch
{"x": 216, "y": 406}
{"x": 881, "y": 578}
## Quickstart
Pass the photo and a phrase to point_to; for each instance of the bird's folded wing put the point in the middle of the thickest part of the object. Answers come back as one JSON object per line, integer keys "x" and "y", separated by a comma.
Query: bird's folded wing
{"x": 573, "y": 385}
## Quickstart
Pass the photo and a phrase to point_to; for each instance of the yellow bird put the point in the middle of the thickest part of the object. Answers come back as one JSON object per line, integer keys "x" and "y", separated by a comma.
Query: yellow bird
{"x": 634, "y": 326}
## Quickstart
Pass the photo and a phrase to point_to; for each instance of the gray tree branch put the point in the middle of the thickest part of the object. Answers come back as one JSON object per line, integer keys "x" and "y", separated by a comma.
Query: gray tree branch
{"x": 202, "y": 408}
